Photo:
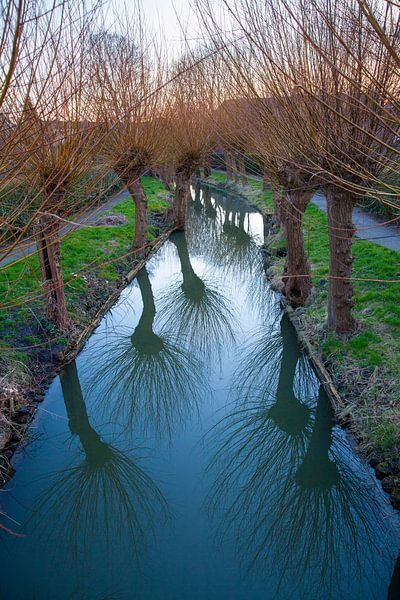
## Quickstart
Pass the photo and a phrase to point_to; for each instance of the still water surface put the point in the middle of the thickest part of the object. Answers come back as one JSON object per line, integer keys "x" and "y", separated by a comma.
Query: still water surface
{"x": 190, "y": 452}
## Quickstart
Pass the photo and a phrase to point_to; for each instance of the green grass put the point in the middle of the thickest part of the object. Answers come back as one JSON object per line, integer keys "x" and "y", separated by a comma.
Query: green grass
{"x": 377, "y": 304}
{"x": 85, "y": 252}
{"x": 370, "y": 355}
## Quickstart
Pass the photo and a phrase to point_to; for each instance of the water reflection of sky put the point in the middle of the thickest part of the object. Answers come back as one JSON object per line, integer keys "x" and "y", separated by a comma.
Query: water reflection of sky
{"x": 191, "y": 452}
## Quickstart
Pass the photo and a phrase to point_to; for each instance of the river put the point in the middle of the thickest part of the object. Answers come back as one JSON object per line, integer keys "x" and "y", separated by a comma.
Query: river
{"x": 190, "y": 452}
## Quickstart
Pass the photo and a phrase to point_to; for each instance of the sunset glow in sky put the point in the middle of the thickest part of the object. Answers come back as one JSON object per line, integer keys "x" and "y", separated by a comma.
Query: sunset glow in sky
{"x": 169, "y": 16}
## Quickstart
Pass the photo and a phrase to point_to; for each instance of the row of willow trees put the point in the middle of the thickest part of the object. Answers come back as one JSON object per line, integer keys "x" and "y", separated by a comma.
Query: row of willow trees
{"x": 308, "y": 88}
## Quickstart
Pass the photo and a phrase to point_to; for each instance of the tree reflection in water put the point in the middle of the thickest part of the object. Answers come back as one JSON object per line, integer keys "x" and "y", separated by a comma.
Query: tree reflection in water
{"x": 210, "y": 210}
{"x": 196, "y": 201}
{"x": 226, "y": 238}
{"x": 394, "y": 587}
{"x": 287, "y": 487}
{"x": 152, "y": 379}
{"x": 199, "y": 310}
{"x": 105, "y": 496}
{"x": 239, "y": 250}
{"x": 236, "y": 251}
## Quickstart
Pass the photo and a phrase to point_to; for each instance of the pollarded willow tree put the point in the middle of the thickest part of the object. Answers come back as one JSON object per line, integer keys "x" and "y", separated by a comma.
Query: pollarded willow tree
{"x": 267, "y": 59}
{"x": 333, "y": 86}
{"x": 31, "y": 32}
{"x": 127, "y": 91}
{"x": 54, "y": 153}
{"x": 357, "y": 78}
{"x": 190, "y": 128}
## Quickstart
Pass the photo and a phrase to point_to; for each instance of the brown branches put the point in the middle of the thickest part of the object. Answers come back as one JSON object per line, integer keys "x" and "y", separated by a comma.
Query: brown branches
{"x": 127, "y": 86}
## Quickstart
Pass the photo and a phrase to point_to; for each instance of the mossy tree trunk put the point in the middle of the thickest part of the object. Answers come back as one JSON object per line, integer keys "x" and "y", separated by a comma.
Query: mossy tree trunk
{"x": 341, "y": 230}
{"x": 297, "y": 274}
{"x": 277, "y": 198}
{"x": 130, "y": 175}
{"x": 182, "y": 185}
{"x": 138, "y": 194}
{"x": 49, "y": 252}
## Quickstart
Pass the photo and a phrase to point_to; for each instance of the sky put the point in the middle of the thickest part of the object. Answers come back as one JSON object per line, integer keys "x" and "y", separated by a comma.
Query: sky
{"x": 165, "y": 15}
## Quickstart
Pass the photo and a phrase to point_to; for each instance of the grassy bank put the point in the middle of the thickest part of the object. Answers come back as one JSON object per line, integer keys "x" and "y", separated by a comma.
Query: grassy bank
{"x": 365, "y": 368}
{"x": 93, "y": 261}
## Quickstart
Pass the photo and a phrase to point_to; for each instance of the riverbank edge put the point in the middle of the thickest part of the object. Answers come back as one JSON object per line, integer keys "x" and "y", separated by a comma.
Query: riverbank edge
{"x": 384, "y": 463}
{"x": 35, "y": 390}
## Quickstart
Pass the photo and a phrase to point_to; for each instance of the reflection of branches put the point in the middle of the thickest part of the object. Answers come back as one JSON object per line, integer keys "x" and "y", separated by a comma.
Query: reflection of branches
{"x": 221, "y": 232}
{"x": 152, "y": 379}
{"x": 197, "y": 308}
{"x": 287, "y": 485}
{"x": 261, "y": 297}
{"x": 203, "y": 228}
{"x": 224, "y": 236}
{"x": 106, "y": 493}
{"x": 237, "y": 242}
{"x": 8, "y": 529}
{"x": 273, "y": 362}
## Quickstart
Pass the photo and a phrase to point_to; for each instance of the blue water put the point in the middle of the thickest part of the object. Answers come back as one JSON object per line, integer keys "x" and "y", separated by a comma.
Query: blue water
{"x": 190, "y": 451}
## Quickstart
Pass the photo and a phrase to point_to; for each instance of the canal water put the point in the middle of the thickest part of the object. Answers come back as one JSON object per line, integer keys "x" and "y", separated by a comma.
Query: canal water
{"x": 190, "y": 452}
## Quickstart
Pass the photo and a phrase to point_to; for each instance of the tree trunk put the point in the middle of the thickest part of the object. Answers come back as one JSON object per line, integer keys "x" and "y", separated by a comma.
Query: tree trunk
{"x": 139, "y": 197}
{"x": 242, "y": 169}
{"x": 207, "y": 168}
{"x": 179, "y": 209}
{"x": 228, "y": 164}
{"x": 277, "y": 201}
{"x": 146, "y": 342}
{"x": 192, "y": 286}
{"x": 288, "y": 413}
{"x": 97, "y": 452}
{"x": 341, "y": 230}
{"x": 265, "y": 182}
{"x": 164, "y": 177}
{"x": 297, "y": 277}
{"x": 235, "y": 169}
{"x": 317, "y": 469}
{"x": 48, "y": 245}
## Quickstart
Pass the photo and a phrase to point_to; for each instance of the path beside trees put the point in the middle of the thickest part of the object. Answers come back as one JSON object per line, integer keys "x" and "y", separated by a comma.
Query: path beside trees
{"x": 87, "y": 218}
